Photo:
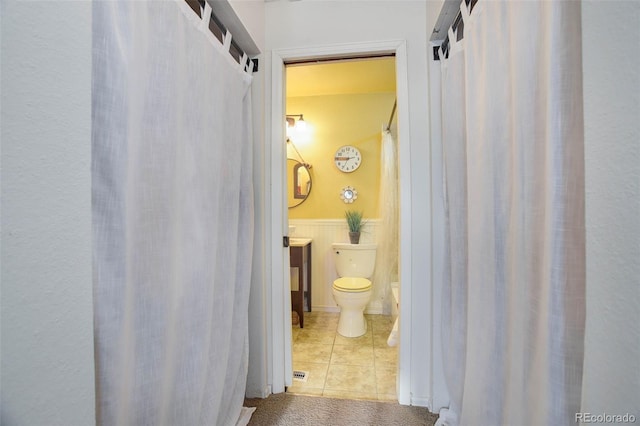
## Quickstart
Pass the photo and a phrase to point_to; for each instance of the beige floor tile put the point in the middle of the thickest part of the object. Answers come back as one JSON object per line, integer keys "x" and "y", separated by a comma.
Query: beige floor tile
{"x": 380, "y": 339}
{"x": 382, "y": 321}
{"x": 386, "y": 357}
{"x": 386, "y": 380}
{"x": 322, "y": 325}
{"x": 365, "y": 339}
{"x": 317, "y": 374}
{"x": 321, "y": 315}
{"x": 321, "y": 320}
{"x": 298, "y": 389}
{"x": 318, "y": 314}
{"x": 308, "y": 335}
{"x": 342, "y": 367}
{"x": 295, "y": 330}
{"x": 382, "y": 326}
{"x": 356, "y": 378}
{"x": 352, "y": 355}
{"x": 311, "y": 352}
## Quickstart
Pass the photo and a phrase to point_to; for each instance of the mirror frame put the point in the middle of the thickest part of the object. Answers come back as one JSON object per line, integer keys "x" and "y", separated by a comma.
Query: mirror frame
{"x": 348, "y": 194}
{"x": 296, "y": 194}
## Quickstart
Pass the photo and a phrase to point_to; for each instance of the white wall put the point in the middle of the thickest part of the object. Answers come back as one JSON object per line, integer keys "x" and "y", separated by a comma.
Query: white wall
{"x": 316, "y": 23}
{"x": 611, "y": 60}
{"x": 47, "y": 369}
{"x": 251, "y": 15}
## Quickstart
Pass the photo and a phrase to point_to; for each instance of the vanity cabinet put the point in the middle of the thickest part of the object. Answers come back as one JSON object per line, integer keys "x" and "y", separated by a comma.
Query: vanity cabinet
{"x": 300, "y": 263}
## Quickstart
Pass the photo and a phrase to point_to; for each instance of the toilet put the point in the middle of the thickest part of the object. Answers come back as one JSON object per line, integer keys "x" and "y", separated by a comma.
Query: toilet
{"x": 352, "y": 291}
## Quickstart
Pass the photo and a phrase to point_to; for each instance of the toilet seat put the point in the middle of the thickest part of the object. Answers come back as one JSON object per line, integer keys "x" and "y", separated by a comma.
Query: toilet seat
{"x": 352, "y": 284}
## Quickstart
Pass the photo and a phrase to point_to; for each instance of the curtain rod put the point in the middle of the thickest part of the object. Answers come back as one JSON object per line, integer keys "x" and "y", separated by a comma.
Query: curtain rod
{"x": 457, "y": 26}
{"x": 338, "y": 59}
{"x": 393, "y": 111}
{"x": 219, "y": 30}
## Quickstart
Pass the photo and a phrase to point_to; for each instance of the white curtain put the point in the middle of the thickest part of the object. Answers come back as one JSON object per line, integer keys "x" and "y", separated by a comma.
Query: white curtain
{"x": 386, "y": 270}
{"x": 514, "y": 290}
{"x": 172, "y": 217}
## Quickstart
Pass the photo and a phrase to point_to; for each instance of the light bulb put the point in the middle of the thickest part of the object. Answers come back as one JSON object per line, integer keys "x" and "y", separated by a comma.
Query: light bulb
{"x": 301, "y": 126}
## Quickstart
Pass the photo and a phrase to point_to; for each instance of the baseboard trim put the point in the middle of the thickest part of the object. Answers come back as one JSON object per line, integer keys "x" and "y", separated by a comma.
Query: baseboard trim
{"x": 373, "y": 309}
{"x": 421, "y": 402}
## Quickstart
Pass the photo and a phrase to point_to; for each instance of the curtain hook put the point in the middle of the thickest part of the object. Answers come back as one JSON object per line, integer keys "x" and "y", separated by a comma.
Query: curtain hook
{"x": 206, "y": 15}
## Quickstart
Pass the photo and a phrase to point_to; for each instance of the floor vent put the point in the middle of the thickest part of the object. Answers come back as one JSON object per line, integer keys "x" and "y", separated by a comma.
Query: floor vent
{"x": 300, "y": 376}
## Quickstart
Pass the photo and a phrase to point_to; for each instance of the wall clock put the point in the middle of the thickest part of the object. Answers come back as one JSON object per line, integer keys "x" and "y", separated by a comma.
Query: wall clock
{"x": 347, "y": 158}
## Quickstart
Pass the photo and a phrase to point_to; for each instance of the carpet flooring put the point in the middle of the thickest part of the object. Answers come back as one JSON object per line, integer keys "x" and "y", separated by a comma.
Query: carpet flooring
{"x": 300, "y": 410}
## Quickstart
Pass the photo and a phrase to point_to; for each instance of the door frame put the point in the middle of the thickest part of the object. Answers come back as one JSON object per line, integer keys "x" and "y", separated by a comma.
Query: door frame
{"x": 278, "y": 313}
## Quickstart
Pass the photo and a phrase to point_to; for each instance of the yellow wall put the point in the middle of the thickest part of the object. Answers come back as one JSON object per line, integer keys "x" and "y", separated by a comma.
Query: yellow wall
{"x": 334, "y": 121}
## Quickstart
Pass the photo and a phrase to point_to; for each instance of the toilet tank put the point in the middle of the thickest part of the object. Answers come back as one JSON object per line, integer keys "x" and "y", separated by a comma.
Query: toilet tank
{"x": 354, "y": 260}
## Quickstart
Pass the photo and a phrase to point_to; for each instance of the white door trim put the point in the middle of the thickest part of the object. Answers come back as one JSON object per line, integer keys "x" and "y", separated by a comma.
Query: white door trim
{"x": 280, "y": 314}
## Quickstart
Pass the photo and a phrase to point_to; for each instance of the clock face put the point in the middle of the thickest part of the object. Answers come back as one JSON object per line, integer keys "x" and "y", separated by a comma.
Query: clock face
{"x": 347, "y": 158}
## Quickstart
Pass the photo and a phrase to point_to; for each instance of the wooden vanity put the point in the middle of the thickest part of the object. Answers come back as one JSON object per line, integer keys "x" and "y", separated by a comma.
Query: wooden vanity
{"x": 300, "y": 264}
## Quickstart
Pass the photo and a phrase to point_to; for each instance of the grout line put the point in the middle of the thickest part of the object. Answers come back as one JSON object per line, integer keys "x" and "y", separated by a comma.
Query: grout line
{"x": 333, "y": 345}
{"x": 375, "y": 366}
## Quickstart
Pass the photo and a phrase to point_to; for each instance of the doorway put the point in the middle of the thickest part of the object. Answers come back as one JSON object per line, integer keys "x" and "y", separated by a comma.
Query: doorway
{"x": 279, "y": 318}
{"x": 335, "y": 106}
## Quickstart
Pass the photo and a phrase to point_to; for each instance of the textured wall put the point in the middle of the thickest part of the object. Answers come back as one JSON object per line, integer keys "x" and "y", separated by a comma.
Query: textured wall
{"x": 251, "y": 14}
{"x": 612, "y": 160}
{"x": 46, "y": 308}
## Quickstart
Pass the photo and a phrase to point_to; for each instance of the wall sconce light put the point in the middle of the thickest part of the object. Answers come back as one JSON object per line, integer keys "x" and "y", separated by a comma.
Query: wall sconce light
{"x": 291, "y": 122}
{"x": 296, "y": 127}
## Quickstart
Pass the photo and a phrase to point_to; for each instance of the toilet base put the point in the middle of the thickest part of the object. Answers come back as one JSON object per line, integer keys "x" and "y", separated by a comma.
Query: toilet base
{"x": 352, "y": 323}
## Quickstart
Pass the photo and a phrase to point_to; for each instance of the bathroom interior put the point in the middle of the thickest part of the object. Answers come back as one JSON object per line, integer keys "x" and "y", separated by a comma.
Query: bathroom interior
{"x": 334, "y": 107}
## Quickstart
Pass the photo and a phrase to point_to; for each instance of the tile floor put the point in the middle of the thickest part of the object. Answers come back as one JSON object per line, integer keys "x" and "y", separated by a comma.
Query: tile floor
{"x": 340, "y": 367}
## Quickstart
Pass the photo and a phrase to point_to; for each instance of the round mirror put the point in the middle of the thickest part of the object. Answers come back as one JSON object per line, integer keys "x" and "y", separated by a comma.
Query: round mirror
{"x": 298, "y": 182}
{"x": 348, "y": 194}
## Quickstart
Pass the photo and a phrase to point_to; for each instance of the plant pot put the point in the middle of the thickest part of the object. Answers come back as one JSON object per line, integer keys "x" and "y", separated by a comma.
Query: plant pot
{"x": 354, "y": 237}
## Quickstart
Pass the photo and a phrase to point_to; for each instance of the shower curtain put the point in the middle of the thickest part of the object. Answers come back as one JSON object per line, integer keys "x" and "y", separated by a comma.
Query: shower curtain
{"x": 387, "y": 258}
{"x": 172, "y": 217}
{"x": 514, "y": 286}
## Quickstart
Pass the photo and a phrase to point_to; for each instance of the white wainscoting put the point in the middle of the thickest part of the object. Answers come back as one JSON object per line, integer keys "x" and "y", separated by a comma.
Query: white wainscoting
{"x": 324, "y": 232}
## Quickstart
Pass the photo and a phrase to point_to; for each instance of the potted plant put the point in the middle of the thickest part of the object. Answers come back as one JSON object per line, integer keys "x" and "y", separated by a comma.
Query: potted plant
{"x": 355, "y": 223}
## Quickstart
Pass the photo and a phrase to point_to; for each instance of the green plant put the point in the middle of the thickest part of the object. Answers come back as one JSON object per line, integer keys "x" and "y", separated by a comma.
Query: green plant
{"x": 354, "y": 220}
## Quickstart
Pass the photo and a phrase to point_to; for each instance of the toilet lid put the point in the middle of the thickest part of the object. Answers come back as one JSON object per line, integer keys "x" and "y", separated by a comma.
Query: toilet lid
{"x": 352, "y": 284}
